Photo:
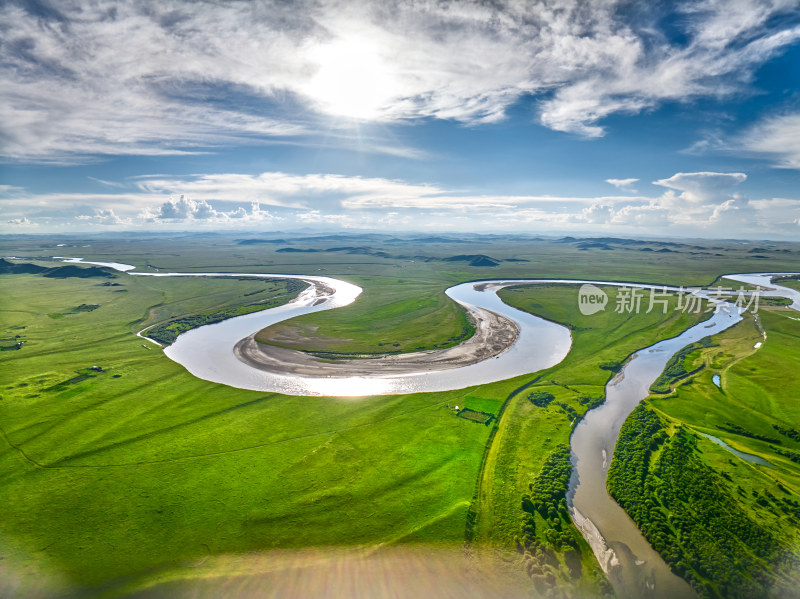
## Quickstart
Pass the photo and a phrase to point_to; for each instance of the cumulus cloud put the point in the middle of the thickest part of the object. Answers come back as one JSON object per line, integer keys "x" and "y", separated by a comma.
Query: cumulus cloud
{"x": 21, "y": 222}
{"x": 597, "y": 214}
{"x": 706, "y": 199}
{"x": 185, "y": 209}
{"x": 652, "y": 216}
{"x": 107, "y": 216}
{"x": 733, "y": 211}
{"x": 159, "y": 76}
{"x": 623, "y": 184}
{"x": 702, "y": 187}
{"x": 701, "y": 202}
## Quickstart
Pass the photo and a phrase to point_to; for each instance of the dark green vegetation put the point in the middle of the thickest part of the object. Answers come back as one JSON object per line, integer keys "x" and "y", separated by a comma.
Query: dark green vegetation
{"x": 541, "y": 398}
{"x": 119, "y": 480}
{"x": 787, "y": 432}
{"x": 274, "y": 293}
{"x": 697, "y": 519}
{"x": 774, "y": 301}
{"x": 736, "y": 429}
{"x": 475, "y": 416}
{"x": 75, "y": 310}
{"x": 680, "y": 366}
{"x": 555, "y": 550}
{"x": 729, "y": 526}
{"x": 792, "y": 282}
{"x": 55, "y": 272}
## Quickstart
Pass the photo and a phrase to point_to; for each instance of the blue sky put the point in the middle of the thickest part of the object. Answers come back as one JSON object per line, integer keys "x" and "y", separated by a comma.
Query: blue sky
{"x": 623, "y": 118}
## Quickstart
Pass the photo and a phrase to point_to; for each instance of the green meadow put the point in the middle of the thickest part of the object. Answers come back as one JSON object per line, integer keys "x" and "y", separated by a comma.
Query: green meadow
{"x": 116, "y": 480}
{"x": 402, "y": 315}
{"x": 111, "y": 478}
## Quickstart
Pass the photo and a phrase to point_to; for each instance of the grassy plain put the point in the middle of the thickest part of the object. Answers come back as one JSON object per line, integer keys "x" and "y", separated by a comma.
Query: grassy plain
{"x": 109, "y": 480}
{"x": 402, "y": 315}
{"x": 119, "y": 479}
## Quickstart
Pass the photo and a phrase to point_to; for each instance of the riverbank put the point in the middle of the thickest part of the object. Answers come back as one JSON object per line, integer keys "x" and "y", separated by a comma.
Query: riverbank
{"x": 494, "y": 334}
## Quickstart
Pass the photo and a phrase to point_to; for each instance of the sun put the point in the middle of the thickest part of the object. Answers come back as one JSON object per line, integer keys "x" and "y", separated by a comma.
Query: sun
{"x": 352, "y": 80}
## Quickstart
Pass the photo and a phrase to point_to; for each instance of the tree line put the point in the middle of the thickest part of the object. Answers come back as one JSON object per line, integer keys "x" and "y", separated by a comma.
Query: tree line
{"x": 701, "y": 527}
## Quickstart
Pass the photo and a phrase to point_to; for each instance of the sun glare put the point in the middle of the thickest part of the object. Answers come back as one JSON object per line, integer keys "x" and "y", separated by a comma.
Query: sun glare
{"x": 352, "y": 81}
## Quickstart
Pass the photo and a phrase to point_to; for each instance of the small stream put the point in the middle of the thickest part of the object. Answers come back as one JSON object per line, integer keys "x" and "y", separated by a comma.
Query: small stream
{"x": 747, "y": 457}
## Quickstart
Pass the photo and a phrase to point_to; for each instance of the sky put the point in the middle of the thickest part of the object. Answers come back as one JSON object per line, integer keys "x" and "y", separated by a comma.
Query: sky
{"x": 541, "y": 117}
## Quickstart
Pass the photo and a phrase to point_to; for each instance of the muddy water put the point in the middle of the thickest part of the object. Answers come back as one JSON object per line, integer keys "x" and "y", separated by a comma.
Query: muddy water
{"x": 207, "y": 352}
{"x": 634, "y": 568}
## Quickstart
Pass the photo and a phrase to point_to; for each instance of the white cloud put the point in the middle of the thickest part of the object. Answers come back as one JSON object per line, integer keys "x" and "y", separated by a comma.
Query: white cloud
{"x": 702, "y": 187}
{"x": 291, "y": 191}
{"x": 184, "y": 208}
{"x": 623, "y": 184}
{"x": 320, "y": 190}
{"x": 597, "y": 214}
{"x": 159, "y": 77}
{"x": 703, "y": 203}
{"x": 651, "y": 216}
{"x": 733, "y": 211}
{"x": 776, "y": 203}
{"x": 107, "y": 217}
{"x": 707, "y": 200}
{"x": 22, "y": 222}
{"x": 776, "y": 138}
{"x": 107, "y": 183}
{"x": 10, "y": 190}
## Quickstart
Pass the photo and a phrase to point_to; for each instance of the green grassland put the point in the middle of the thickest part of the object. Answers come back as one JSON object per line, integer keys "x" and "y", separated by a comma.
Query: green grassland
{"x": 117, "y": 479}
{"x": 391, "y": 315}
{"x": 112, "y": 479}
{"x": 693, "y": 485}
{"x": 272, "y": 293}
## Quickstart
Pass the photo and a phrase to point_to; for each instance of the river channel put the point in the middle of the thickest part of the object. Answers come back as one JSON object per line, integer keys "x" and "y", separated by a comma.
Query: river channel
{"x": 634, "y": 568}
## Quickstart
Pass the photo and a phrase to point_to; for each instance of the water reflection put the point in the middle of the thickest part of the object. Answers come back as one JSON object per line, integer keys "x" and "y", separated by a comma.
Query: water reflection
{"x": 207, "y": 352}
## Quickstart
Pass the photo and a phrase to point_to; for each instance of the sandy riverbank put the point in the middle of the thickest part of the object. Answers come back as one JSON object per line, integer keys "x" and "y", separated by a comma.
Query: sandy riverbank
{"x": 493, "y": 335}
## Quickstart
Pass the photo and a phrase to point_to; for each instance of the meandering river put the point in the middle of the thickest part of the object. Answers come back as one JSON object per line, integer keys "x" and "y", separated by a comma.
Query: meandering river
{"x": 633, "y": 567}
